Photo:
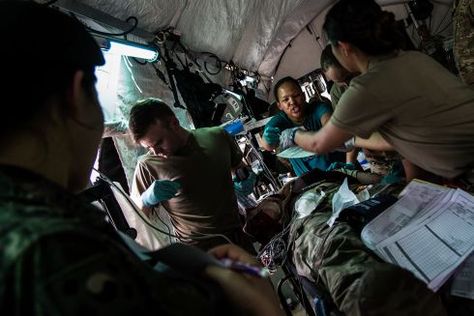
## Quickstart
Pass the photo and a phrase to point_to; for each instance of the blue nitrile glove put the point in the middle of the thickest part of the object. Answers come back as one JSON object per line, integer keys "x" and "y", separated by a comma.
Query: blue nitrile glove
{"x": 159, "y": 191}
{"x": 287, "y": 138}
{"x": 245, "y": 187}
{"x": 341, "y": 165}
{"x": 272, "y": 135}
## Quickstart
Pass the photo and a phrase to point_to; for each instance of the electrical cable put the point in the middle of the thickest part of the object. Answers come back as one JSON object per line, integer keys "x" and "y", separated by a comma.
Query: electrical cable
{"x": 132, "y": 204}
{"x": 442, "y": 20}
{"x": 137, "y": 212}
{"x": 274, "y": 253}
{"x": 218, "y": 63}
{"x": 444, "y": 29}
{"x": 167, "y": 227}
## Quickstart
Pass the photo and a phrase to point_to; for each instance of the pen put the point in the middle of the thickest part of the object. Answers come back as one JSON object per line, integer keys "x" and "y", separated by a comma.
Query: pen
{"x": 245, "y": 268}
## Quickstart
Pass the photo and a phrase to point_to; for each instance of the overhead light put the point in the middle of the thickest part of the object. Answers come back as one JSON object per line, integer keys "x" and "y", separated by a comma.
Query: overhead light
{"x": 127, "y": 48}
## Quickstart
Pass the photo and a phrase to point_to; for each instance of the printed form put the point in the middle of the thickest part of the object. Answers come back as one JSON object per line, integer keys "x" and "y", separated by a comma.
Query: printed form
{"x": 437, "y": 240}
{"x": 416, "y": 197}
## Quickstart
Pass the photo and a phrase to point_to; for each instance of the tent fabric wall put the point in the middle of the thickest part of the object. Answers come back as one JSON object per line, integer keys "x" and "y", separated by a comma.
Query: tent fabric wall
{"x": 304, "y": 52}
{"x": 253, "y": 34}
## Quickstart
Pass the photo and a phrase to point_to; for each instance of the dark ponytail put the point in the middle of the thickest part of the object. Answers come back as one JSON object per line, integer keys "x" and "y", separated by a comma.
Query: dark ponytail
{"x": 365, "y": 25}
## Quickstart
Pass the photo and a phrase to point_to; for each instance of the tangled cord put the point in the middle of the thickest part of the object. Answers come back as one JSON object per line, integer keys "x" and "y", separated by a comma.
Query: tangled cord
{"x": 152, "y": 226}
{"x": 275, "y": 252}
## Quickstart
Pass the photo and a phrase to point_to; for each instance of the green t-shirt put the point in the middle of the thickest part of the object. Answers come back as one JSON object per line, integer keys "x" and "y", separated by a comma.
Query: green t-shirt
{"x": 423, "y": 110}
{"x": 206, "y": 203}
{"x": 336, "y": 93}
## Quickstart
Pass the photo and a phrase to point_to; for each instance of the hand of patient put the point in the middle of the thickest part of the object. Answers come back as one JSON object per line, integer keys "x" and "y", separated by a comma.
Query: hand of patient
{"x": 159, "y": 191}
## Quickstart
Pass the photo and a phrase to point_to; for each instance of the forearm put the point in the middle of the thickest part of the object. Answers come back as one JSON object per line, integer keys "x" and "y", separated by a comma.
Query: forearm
{"x": 327, "y": 139}
{"x": 374, "y": 142}
{"x": 308, "y": 141}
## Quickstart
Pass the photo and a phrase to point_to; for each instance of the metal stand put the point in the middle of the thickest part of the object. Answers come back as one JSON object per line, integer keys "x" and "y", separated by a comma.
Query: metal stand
{"x": 253, "y": 154}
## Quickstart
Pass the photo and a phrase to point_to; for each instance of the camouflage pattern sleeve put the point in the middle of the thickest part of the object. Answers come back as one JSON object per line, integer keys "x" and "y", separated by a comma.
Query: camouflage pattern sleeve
{"x": 73, "y": 274}
{"x": 463, "y": 49}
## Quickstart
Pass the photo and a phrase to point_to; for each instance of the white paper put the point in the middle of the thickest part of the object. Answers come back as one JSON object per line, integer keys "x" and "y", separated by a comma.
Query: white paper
{"x": 295, "y": 152}
{"x": 413, "y": 199}
{"x": 435, "y": 244}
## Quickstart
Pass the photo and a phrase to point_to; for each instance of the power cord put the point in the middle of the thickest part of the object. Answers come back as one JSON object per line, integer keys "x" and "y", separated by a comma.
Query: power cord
{"x": 134, "y": 207}
{"x": 147, "y": 222}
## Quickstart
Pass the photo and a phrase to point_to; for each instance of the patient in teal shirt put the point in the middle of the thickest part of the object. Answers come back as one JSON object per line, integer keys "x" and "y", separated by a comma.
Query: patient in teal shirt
{"x": 295, "y": 111}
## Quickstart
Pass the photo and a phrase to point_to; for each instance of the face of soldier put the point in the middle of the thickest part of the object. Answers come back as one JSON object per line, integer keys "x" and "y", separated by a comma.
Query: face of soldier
{"x": 291, "y": 100}
{"x": 162, "y": 138}
{"x": 86, "y": 126}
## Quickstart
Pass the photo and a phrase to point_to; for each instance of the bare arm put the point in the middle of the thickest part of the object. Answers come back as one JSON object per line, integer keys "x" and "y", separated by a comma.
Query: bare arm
{"x": 374, "y": 142}
{"x": 325, "y": 118}
{"x": 323, "y": 141}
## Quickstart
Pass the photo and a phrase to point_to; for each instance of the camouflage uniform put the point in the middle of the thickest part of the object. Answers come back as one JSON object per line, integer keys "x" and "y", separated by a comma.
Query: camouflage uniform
{"x": 59, "y": 257}
{"x": 383, "y": 162}
{"x": 463, "y": 49}
{"x": 346, "y": 274}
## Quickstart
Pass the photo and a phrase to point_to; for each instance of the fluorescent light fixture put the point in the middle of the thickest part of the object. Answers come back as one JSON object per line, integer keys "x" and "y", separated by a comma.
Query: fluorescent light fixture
{"x": 127, "y": 48}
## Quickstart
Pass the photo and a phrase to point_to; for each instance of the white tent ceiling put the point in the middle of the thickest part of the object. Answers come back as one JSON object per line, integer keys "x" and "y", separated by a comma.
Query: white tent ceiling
{"x": 251, "y": 33}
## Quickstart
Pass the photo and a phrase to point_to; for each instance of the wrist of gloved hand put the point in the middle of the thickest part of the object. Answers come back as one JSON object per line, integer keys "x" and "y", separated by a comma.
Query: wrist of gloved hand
{"x": 287, "y": 138}
{"x": 349, "y": 145}
{"x": 245, "y": 187}
{"x": 271, "y": 135}
{"x": 159, "y": 191}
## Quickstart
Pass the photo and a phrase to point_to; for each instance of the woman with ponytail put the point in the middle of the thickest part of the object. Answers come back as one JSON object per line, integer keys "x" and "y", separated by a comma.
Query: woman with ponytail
{"x": 403, "y": 100}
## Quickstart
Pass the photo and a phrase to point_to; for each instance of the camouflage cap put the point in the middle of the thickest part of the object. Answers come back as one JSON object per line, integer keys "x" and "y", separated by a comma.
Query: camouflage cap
{"x": 41, "y": 35}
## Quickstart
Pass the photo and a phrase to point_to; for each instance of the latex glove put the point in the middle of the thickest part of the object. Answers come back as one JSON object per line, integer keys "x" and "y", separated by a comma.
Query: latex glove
{"x": 246, "y": 186}
{"x": 159, "y": 191}
{"x": 341, "y": 165}
{"x": 287, "y": 138}
{"x": 254, "y": 295}
{"x": 348, "y": 145}
{"x": 272, "y": 135}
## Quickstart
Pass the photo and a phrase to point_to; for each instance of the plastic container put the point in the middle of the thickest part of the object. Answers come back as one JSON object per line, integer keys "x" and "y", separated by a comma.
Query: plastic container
{"x": 234, "y": 128}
